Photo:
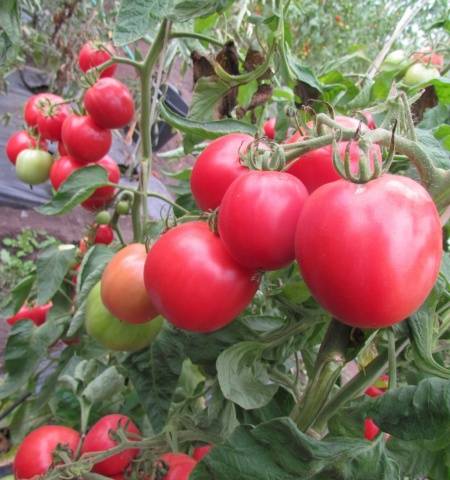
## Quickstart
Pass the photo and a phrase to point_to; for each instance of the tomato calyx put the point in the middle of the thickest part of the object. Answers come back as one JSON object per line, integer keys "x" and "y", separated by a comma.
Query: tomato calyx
{"x": 263, "y": 154}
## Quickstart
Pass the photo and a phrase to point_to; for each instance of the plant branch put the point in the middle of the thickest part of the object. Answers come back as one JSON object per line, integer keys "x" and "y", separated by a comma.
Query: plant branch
{"x": 197, "y": 36}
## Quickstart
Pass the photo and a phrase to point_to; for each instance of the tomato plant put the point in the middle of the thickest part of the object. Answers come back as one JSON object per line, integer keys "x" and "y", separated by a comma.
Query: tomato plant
{"x": 104, "y": 234}
{"x": 200, "y": 452}
{"x": 19, "y": 141}
{"x": 174, "y": 466}
{"x": 420, "y": 73}
{"x": 92, "y": 55}
{"x": 33, "y": 107}
{"x": 33, "y": 166}
{"x": 61, "y": 169}
{"x": 50, "y": 119}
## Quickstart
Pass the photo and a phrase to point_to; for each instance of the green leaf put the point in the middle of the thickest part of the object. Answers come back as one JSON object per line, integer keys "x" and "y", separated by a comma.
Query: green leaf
{"x": 78, "y": 187}
{"x": 18, "y": 296}
{"x": 302, "y": 73}
{"x": 433, "y": 117}
{"x": 10, "y": 19}
{"x": 190, "y": 9}
{"x": 52, "y": 266}
{"x": 104, "y": 386}
{"x": 207, "y": 94}
{"x": 442, "y": 88}
{"x": 433, "y": 148}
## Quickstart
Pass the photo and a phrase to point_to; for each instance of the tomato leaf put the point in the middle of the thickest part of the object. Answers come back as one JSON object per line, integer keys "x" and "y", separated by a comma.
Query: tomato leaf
{"x": 207, "y": 94}
{"x": 442, "y": 88}
{"x": 190, "y": 9}
{"x": 433, "y": 148}
{"x": 104, "y": 386}
{"x": 18, "y": 296}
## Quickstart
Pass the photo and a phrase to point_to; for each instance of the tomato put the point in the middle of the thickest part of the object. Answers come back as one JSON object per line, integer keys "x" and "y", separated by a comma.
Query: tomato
{"x": 98, "y": 439}
{"x": 216, "y": 168}
{"x": 193, "y": 282}
{"x": 32, "y": 107}
{"x": 370, "y": 121}
{"x": 35, "y": 454}
{"x": 200, "y": 452}
{"x": 114, "y": 334}
{"x": 83, "y": 245}
{"x": 420, "y": 73}
{"x": 103, "y": 218}
{"x": 258, "y": 217}
{"x": 51, "y": 119}
{"x": 429, "y": 58}
{"x": 122, "y": 286}
{"x": 91, "y": 56}
{"x": 316, "y": 168}
{"x": 104, "y": 234}
{"x": 37, "y": 314}
{"x": 62, "y": 149}
{"x": 109, "y": 103}
{"x": 174, "y": 466}
{"x": 359, "y": 246}
{"x": 19, "y": 141}
{"x": 371, "y": 430}
{"x": 33, "y": 166}
{"x": 269, "y": 128}
{"x": 395, "y": 58}
{"x": 61, "y": 169}
{"x": 84, "y": 140}
{"x": 103, "y": 195}
{"x": 373, "y": 391}
{"x": 123, "y": 207}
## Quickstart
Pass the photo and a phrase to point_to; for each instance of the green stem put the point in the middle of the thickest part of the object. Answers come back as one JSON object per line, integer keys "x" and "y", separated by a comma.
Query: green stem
{"x": 170, "y": 202}
{"x": 135, "y": 218}
{"x": 124, "y": 60}
{"x": 392, "y": 359}
{"x": 197, "y": 36}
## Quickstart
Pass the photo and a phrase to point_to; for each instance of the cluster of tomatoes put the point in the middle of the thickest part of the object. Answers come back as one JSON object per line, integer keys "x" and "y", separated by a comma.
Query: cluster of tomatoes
{"x": 38, "y": 451}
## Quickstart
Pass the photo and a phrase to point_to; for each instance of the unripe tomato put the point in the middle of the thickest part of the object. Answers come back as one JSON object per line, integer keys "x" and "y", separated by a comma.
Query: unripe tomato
{"x": 397, "y": 57}
{"x": 34, "y": 456}
{"x": 200, "y": 452}
{"x": 269, "y": 128}
{"x": 103, "y": 217}
{"x": 359, "y": 246}
{"x": 33, "y": 166}
{"x": 174, "y": 466}
{"x": 32, "y": 107}
{"x": 51, "y": 119}
{"x": 91, "y": 56}
{"x": 109, "y": 103}
{"x": 111, "y": 332}
{"x": 123, "y": 207}
{"x": 193, "y": 281}
{"x": 37, "y": 314}
{"x": 122, "y": 286}
{"x": 103, "y": 195}
{"x": 61, "y": 169}
{"x": 104, "y": 234}
{"x": 258, "y": 218}
{"x": 84, "y": 140}
{"x": 420, "y": 73}
{"x": 371, "y": 430}
{"x": 98, "y": 439}
{"x": 216, "y": 168}
{"x": 20, "y": 141}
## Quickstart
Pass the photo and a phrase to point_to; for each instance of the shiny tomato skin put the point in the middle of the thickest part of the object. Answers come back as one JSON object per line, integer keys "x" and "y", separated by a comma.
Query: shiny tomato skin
{"x": 33, "y": 106}
{"x": 373, "y": 391}
{"x": 33, "y": 166}
{"x": 62, "y": 149}
{"x": 200, "y": 452}
{"x": 104, "y": 234}
{"x": 91, "y": 56}
{"x": 37, "y": 314}
{"x": 122, "y": 286}
{"x": 103, "y": 195}
{"x": 34, "y": 455}
{"x": 61, "y": 169}
{"x": 176, "y": 466}
{"x": 98, "y": 439}
{"x": 371, "y": 430}
{"x": 216, "y": 168}
{"x": 84, "y": 140}
{"x": 370, "y": 254}
{"x": 193, "y": 281}
{"x": 269, "y": 128}
{"x": 258, "y": 218}
{"x": 19, "y": 141}
{"x": 109, "y": 103}
{"x": 51, "y": 119}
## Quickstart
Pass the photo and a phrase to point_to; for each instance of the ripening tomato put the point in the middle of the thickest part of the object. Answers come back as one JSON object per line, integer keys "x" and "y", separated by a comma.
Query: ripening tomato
{"x": 360, "y": 246}
{"x": 32, "y": 107}
{"x": 104, "y": 234}
{"x": 84, "y": 140}
{"x": 33, "y": 166}
{"x": 373, "y": 391}
{"x": 37, "y": 314}
{"x": 51, "y": 119}
{"x": 109, "y": 103}
{"x": 200, "y": 452}
{"x": 174, "y": 466}
{"x": 122, "y": 286}
{"x": 371, "y": 430}
{"x": 269, "y": 128}
{"x": 370, "y": 121}
{"x": 258, "y": 217}
{"x": 193, "y": 281}
{"x": 316, "y": 168}
{"x": 34, "y": 456}
{"x": 61, "y": 169}
{"x": 92, "y": 56}
{"x": 429, "y": 58}
{"x": 19, "y": 141}
{"x": 420, "y": 73}
{"x": 103, "y": 195}
{"x": 114, "y": 334}
{"x": 217, "y": 167}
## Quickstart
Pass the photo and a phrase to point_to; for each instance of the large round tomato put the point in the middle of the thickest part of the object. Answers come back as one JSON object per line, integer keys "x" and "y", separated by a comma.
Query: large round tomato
{"x": 61, "y": 169}
{"x": 84, "y": 140}
{"x": 370, "y": 254}
{"x": 92, "y": 56}
{"x": 104, "y": 234}
{"x": 258, "y": 217}
{"x": 98, "y": 439}
{"x": 103, "y": 195}
{"x": 33, "y": 166}
{"x": 35, "y": 454}
{"x": 19, "y": 141}
{"x": 420, "y": 73}
{"x": 193, "y": 281}
{"x": 37, "y": 314}
{"x": 51, "y": 119}
{"x": 316, "y": 168}
{"x": 111, "y": 332}
{"x": 33, "y": 106}
{"x": 123, "y": 290}
{"x": 175, "y": 466}
{"x": 216, "y": 168}
{"x": 109, "y": 103}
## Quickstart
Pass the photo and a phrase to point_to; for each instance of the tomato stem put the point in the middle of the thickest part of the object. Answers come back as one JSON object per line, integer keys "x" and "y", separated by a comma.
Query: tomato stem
{"x": 392, "y": 359}
{"x": 197, "y": 36}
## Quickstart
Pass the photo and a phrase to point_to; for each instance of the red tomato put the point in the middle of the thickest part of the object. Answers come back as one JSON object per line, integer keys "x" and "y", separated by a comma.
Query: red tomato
{"x": 370, "y": 120}
{"x": 370, "y": 429}
{"x": 193, "y": 282}
{"x": 98, "y": 439}
{"x": 200, "y": 452}
{"x": 104, "y": 234}
{"x": 19, "y": 141}
{"x": 316, "y": 168}
{"x": 382, "y": 383}
{"x": 360, "y": 246}
{"x": 373, "y": 392}
{"x": 84, "y": 140}
{"x": 83, "y": 245}
{"x": 122, "y": 286}
{"x": 258, "y": 217}
{"x": 216, "y": 168}
{"x": 61, "y": 169}
{"x": 62, "y": 149}
{"x": 91, "y": 56}
{"x": 51, "y": 119}
{"x": 34, "y": 456}
{"x": 269, "y": 128}
{"x": 175, "y": 466}
{"x": 109, "y": 103}
{"x": 32, "y": 107}
{"x": 37, "y": 314}
{"x": 429, "y": 58}
{"x": 103, "y": 195}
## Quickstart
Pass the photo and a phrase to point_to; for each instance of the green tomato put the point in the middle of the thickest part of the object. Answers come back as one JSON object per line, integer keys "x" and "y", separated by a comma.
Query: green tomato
{"x": 114, "y": 334}
{"x": 103, "y": 217}
{"x": 123, "y": 207}
{"x": 397, "y": 57}
{"x": 33, "y": 166}
{"x": 420, "y": 73}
